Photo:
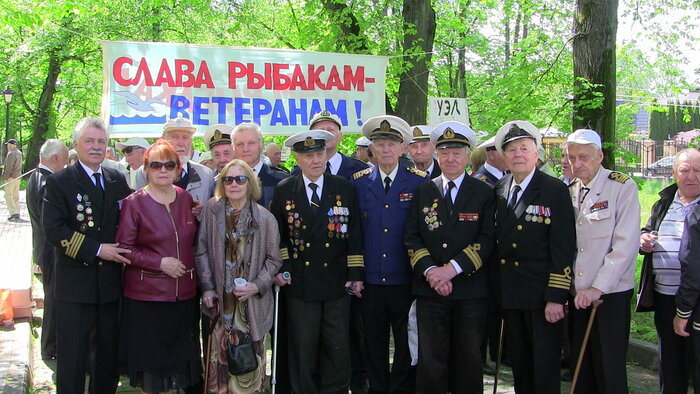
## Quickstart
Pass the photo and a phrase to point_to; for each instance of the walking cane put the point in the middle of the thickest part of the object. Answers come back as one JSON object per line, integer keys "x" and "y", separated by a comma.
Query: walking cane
{"x": 217, "y": 309}
{"x": 585, "y": 342}
{"x": 273, "y": 380}
{"x": 498, "y": 358}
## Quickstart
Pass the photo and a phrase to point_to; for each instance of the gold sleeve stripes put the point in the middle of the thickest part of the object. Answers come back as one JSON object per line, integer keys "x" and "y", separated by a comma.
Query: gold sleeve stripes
{"x": 471, "y": 253}
{"x": 417, "y": 255}
{"x": 356, "y": 260}
{"x": 71, "y": 248}
{"x": 285, "y": 253}
{"x": 561, "y": 281}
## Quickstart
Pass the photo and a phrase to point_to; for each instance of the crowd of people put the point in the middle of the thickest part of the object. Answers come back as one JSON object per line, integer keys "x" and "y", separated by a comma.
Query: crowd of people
{"x": 173, "y": 273}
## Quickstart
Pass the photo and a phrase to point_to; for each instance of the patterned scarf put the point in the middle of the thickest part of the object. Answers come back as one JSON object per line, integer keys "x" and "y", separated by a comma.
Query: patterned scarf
{"x": 237, "y": 231}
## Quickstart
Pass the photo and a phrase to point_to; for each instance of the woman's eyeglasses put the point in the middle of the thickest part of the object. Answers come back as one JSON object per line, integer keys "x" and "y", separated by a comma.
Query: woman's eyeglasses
{"x": 157, "y": 165}
{"x": 239, "y": 179}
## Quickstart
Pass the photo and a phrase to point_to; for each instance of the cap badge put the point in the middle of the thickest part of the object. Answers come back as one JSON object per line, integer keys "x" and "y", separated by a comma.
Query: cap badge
{"x": 448, "y": 134}
{"x": 325, "y": 113}
{"x": 309, "y": 141}
{"x": 417, "y": 133}
{"x": 385, "y": 127}
{"x": 217, "y": 135}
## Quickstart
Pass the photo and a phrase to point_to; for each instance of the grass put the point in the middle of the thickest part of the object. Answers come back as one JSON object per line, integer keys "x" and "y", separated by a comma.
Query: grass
{"x": 642, "y": 326}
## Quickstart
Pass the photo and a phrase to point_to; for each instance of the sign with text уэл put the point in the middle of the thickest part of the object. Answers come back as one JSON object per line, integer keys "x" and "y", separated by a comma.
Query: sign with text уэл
{"x": 145, "y": 84}
{"x": 443, "y": 109}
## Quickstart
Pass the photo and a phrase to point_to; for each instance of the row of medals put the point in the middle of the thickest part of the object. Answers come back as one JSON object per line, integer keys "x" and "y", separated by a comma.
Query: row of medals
{"x": 431, "y": 216}
{"x": 338, "y": 219}
{"x": 294, "y": 224}
{"x": 538, "y": 214}
{"x": 84, "y": 208}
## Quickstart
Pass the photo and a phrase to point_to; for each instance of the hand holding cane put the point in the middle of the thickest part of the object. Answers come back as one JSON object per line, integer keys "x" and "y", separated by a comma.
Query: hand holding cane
{"x": 581, "y": 352}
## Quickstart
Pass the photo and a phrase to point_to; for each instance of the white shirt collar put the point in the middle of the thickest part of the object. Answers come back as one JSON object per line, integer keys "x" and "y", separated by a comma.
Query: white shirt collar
{"x": 318, "y": 181}
{"x": 493, "y": 170}
{"x": 335, "y": 162}
{"x": 523, "y": 185}
{"x": 89, "y": 172}
{"x": 258, "y": 167}
{"x": 430, "y": 169}
{"x": 391, "y": 175}
{"x": 457, "y": 181}
{"x": 44, "y": 167}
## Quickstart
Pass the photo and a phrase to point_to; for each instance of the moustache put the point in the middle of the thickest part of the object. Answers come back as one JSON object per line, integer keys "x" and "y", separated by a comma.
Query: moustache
{"x": 95, "y": 152}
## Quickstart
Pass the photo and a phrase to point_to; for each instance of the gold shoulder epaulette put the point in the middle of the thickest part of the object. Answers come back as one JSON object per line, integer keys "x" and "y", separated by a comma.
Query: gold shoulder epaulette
{"x": 618, "y": 177}
{"x": 418, "y": 172}
{"x": 361, "y": 173}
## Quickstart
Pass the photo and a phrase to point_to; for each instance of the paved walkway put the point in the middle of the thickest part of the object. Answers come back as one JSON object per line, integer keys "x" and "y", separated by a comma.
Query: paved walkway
{"x": 19, "y": 350}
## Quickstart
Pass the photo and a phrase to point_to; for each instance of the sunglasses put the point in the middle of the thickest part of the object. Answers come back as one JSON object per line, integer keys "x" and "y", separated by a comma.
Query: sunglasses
{"x": 129, "y": 149}
{"x": 157, "y": 165}
{"x": 239, "y": 179}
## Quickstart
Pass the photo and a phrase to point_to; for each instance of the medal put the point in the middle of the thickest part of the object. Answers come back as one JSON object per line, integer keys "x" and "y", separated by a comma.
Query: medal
{"x": 83, "y": 227}
{"x": 88, "y": 210}
{"x": 80, "y": 217}
{"x": 79, "y": 197}
{"x": 91, "y": 224}
{"x": 290, "y": 219}
{"x": 287, "y": 207}
{"x": 338, "y": 203}
{"x": 527, "y": 217}
{"x": 80, "y": 207}
{"x": 86, "y": 198}
{"x": 539, "y": 219}
{"x": 547, "y": 220}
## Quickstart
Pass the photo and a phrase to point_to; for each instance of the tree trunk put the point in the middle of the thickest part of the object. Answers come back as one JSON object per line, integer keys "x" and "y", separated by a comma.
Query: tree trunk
{"x": 44, "y": 110}
{"x": 595, "y": 31}
{"x": 419, "y": 34}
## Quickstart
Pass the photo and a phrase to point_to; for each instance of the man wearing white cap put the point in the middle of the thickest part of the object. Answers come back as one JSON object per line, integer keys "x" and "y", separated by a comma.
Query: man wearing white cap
{"x": 536, "y": 246}
{"x": 495, "y": 167}
{"x": 133, "y": 150}
{"x": 385, "y": 193}
{"x": 321, "y": 247}
{"x": 607, "y": 231}
{"x": 338, "y": 163}
{"x": 450, "y": 237}
{"x": 362, "y": 148}
{"x": 422, "y": 150}
{"x": 194, "y": 177}
{"x": 218, "y": 140}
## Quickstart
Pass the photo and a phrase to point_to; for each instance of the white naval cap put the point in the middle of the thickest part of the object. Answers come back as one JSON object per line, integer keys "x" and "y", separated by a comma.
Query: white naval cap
{"x": 584, "y": 137}
{"x": 515, "y": 130}
{"x": 308, "y": 141}
{"x": 452, "y": 134}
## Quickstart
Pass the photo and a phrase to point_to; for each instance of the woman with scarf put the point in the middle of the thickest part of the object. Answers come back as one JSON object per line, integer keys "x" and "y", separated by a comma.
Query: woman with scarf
{"x": 238, "y": 239}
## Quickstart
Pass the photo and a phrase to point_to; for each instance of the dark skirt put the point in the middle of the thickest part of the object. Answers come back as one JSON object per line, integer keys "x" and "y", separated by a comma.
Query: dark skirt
{"x": 159, "y": 346}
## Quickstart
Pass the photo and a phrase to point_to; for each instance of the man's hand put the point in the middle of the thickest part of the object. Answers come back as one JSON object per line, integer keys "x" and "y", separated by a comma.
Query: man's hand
{"x": 445, "y": 289}
{"x": 680, "y": 326}
{"x": 280, "y": 281}
{"x": 172, "y": 267}
{"x": 197, "y": 207}
{"x": 438, "y": 276}
{"x": 208, "y": 297}
{"x": 647, "y": 242}
{"x": 356, "y": 287}
{"x": 553, "y": 312}
{"x": 112, "y": 252}
{"x": 585, "y": 297}
{"x": 249, "y": 290}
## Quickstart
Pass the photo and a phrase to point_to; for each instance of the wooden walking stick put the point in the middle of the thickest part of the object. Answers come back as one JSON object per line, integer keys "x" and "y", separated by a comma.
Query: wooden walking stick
{"x": 584, "y": 344}
{"x": 498, "y": 358}
{"x": 273, "y": 380}
{"x": 207, "y": 353}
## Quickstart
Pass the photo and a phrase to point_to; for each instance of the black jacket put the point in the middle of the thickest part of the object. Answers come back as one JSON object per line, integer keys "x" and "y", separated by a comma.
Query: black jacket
{"x": 42, "y": 253}
{"x": 77, "y": 219}
{"x": 466, "y": 236}
{"x": 269, "y": 178}
{"x": 688, "y": 295}
{"x": 324, "y": 251}
{"x": 645, "y": 293}
{"x": 535, "y": 258}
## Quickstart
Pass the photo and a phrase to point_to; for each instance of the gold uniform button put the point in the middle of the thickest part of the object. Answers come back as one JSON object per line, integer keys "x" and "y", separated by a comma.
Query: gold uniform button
{"x": 100, "y": 263}
{"x": 580, "y": 250}
{"x": 304, "y": 227}
{"x": 520, "y": 227}
{"x": 514, "y": 245}
{"x": 308, "y": 244}
{"x": 307, "y": 263}
{"x": 384, "y": 255}
{"x": 580, "y": 274}
{"x": 516, "y": 264}
{"x": 383, "y": 279}
{"x": 580, "y": 223}
{"x": 325, "y": 265}
{"x": 444, "y": 246}
{"x": 328, "y": 245}
{"x": 386, "y": 205}
{"x": 503, "y": 261}
{"x": 386, "y": 230}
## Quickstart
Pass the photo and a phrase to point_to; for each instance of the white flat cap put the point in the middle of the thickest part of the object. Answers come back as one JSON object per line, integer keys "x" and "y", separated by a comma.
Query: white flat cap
{"x": 134, "y": 142}
{"x": 584, "y": 137}
{"x": 178, "y": 123}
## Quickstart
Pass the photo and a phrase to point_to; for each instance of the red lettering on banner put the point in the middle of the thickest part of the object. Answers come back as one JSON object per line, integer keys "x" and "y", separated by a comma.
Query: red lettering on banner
{"x": 235, "y": 70}
{"x": 183, "y": 68}
{"x": 204, "y": 77}
{"x": 184, "y": 73}
{"x": 315, "y": 77}
{"x": 255, "y": 80}
{"x": 281, "y": 81}
{"x": 283, "y": 76}
{"x": 165, "y": 77}
{"x": 298, "y": 81}
{"x": 334, "y": 80}
{"x": 356, "y": 80}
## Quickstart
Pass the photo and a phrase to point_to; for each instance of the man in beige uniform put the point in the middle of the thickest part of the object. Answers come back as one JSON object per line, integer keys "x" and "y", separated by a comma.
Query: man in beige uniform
{"x": 10, "y": 176}
{"x": 607, "y": 232}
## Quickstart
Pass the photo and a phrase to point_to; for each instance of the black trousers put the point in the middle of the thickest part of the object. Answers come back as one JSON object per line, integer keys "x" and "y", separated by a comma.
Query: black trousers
{"x": 282, "y": 385}
{"x": 358, "y": 353}
{"x": 319, "y": 338}
{"x": 449, "y": 345}
{"x": 534, "y": 346}
{"x": 604, "y": 366}
{"x": 675, "y": 351}
{"x": 386, "y": 308}
{"x": 86, "y": 332}
{"x": 48, "y": 321}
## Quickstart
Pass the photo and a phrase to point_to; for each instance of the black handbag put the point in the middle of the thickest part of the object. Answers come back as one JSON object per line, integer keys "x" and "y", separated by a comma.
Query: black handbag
{"x": 241, "y": 358}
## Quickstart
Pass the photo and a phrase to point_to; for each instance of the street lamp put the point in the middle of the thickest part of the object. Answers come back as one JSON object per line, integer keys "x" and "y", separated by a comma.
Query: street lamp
{"x": 8, "y": 98}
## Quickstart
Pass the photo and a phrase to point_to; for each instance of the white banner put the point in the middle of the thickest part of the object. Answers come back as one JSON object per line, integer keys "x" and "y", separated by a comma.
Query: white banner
{"x": 447, "y": 108}
{"x": 145, "y": 84}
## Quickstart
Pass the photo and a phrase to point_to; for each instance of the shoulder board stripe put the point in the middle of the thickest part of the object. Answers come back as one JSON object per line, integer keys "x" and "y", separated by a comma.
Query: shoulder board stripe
{"x": 618, "y": 177}
{"x": 361, "y": 173}
{"x": 418, "y": 172}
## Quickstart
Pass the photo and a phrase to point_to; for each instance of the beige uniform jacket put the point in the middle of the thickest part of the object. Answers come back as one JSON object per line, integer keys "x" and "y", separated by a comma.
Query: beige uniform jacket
{"x": 607, "y": 232}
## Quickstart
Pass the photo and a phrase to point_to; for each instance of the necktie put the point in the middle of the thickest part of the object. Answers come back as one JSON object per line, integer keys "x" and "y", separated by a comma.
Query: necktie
{"x": 448, "y": 197}
{"x": 387, "y": 184}
{"x": 514, "y": 196}
{"x": 315, "y": 201}
{"x": 328, "y": 168}
{"x": 582, "y": 195}
{"x": 97, "y": 175}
